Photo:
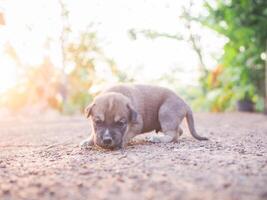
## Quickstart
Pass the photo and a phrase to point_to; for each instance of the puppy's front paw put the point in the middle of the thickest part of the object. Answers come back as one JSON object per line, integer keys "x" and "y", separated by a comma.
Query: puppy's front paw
{"x": 85, "y": 144}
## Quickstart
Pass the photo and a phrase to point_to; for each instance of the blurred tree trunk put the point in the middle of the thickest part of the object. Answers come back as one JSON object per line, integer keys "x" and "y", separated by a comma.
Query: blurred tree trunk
{"x": 63, "y": 39}
{"x": 193, "y": 39}
{"x": 265, "y": 110}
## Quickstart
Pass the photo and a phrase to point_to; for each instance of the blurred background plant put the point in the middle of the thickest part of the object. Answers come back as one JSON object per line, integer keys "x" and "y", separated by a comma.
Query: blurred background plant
{"x": 66, "y": 89}
{"x": 210, "y": 52}
{"x": 241, "y": 75}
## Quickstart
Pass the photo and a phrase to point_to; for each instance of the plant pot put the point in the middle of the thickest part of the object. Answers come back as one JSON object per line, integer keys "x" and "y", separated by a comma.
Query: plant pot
{"x": 245, "y": 106}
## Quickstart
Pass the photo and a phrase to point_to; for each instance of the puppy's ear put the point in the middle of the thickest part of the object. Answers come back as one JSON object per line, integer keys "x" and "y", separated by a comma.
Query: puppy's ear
{"x": 133, "y": 113}
{"x": 88, "y": 110}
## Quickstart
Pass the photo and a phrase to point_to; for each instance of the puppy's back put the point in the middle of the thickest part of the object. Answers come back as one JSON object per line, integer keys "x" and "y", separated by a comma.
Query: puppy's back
{"x": 147, "y": 99}
{"x": 146, "y": 93}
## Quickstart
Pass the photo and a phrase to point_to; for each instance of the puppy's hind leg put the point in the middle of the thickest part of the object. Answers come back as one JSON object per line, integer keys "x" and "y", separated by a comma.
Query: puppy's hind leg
{"x": 169, "y": 122}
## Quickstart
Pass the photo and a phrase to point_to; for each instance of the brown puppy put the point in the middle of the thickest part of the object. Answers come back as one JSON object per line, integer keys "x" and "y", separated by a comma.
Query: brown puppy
{"x": 124, "y": 111}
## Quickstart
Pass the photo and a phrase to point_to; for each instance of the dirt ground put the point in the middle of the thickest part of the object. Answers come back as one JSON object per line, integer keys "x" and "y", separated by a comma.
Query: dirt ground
{"x": 41, "y": 159}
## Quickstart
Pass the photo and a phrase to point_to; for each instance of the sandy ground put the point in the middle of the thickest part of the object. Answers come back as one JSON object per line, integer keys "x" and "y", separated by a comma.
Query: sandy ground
{"x": 41, "y": 159}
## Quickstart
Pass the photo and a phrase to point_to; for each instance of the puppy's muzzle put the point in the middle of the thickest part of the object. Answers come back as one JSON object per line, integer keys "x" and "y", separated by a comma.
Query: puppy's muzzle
{"x": 107, "y": 139}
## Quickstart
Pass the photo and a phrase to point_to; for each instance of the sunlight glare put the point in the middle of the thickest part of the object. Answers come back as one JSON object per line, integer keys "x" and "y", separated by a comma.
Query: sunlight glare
{"x": 7, "y": 74}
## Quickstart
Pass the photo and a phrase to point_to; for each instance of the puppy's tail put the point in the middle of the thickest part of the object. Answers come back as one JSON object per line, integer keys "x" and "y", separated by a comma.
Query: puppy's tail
{"x": 191, "y": 125}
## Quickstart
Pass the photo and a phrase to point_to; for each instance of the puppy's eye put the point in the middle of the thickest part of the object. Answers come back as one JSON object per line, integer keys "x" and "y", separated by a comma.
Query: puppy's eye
{"x": 98, "y": 122}
{"x": 121, "y": 123}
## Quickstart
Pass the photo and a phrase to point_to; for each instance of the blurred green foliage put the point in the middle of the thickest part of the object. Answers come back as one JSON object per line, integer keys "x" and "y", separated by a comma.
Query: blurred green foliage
{"x": 81, "y": 55}
{"x": 241, "y": 72}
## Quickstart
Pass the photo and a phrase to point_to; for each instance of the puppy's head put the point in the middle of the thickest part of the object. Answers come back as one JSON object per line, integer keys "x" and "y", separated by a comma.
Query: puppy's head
{"x": 110, "y": 114}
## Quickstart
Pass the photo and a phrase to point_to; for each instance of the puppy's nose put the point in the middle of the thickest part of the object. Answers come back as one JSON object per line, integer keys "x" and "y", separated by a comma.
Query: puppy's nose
{"x": 107, "y": 141}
